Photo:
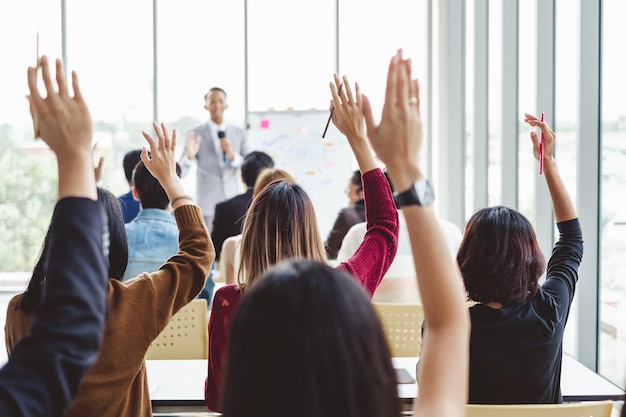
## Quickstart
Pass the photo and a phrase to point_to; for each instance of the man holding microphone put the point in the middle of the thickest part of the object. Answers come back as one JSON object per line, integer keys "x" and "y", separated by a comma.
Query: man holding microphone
{"x": 219, "y": 149}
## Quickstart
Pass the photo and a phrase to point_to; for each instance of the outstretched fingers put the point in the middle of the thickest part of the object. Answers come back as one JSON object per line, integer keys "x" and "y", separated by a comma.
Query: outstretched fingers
{"x": 347, "y": 90}
{"x": 403, "y": 79}
{"x": 78, "y": 94}
{"x": 370, "y": 124}
{"x": 151, "y": 143}
{"x": 392, "y": 82}
{"x": 60, "y": 76}
{"x": 45, "y": 73}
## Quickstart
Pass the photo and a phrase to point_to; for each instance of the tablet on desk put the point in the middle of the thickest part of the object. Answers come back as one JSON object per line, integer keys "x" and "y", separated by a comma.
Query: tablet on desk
{"x": 404, "y": 377}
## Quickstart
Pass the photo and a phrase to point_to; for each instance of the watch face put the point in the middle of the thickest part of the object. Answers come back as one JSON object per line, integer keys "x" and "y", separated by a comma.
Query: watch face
{"x": 420, "y": 194}
{"x": 428, "y": 194}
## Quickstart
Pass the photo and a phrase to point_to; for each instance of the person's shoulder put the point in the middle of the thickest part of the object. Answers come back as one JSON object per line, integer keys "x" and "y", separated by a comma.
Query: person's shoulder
{"x": 198, "y": 128}
{"x": 356, "y": 229}
{"x": 14, "y": 301}
{"x": 227, "y": 294}
{"x": 233, "y": 201}
{"x": 449, "y": 227}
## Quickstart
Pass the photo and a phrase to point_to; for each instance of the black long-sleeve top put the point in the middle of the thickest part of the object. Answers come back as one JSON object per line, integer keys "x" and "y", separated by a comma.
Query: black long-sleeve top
{"x": 45, "y": 369}
{"x": 516, "y": 352}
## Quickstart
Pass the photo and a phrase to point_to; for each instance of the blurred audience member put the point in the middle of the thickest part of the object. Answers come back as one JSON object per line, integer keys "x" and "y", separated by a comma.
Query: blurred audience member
{"x": 347, "y": 217}
{"x": 399, "y": 284}
{"x": 130, "y": 206}
{"x": 229, "y": 214}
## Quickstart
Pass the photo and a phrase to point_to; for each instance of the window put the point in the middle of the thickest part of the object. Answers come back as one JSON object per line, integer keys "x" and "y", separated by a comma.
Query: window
{"x": 612, "y": 346}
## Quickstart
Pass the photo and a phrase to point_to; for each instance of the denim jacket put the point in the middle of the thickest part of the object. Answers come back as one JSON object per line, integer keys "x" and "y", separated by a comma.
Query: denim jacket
{"x": 152, "y": 239}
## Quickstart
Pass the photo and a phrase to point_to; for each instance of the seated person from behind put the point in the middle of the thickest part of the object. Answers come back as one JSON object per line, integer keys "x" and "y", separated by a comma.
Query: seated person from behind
{"x": 230, "y": 214}
{"x": 152, "y": 235}
{"x": 130, "y": 206}
{"x": 398, "y": 285}
{"x": 305, "y": 339}
{"x": 281, "y": 224}
{"x": 516, "y": 344}
{"x": 347, "y": 217}
{"x": 139, "y": 309}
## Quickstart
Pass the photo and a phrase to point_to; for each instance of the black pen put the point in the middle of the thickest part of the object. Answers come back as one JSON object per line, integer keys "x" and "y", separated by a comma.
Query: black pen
{"x": 332, "y": 109}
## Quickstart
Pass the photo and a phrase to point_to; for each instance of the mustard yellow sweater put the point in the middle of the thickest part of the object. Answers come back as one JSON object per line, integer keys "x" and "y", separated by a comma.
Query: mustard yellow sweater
{"x": 138, "y": 309}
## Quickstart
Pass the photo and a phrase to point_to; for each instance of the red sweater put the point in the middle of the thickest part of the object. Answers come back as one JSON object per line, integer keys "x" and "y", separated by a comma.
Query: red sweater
{"x": 369, "y": 264}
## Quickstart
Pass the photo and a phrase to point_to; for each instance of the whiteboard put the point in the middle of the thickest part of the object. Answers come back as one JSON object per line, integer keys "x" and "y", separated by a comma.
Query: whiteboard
{"x": 321, "y": 166}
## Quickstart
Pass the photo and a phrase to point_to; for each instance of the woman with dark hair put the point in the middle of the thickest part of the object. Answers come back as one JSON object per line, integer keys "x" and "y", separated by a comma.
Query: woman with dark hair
{"x": 518, "y": 325}
{"x": 281, "y": 224}
{"x": 348, "y": 216}
{"x": 306, "y": 341}
{"x": 138, "y": 309}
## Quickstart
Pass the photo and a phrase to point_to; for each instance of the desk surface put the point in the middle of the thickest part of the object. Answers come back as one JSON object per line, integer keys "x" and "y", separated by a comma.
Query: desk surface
{"x": 178, "y": 385}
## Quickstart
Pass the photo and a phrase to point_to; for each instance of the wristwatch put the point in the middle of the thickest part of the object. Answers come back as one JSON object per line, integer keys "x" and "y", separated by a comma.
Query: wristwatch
{"x": 421, "y": 194}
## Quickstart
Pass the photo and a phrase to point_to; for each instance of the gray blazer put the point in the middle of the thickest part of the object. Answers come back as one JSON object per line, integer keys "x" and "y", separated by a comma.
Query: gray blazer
{"x": 216, "y": 181}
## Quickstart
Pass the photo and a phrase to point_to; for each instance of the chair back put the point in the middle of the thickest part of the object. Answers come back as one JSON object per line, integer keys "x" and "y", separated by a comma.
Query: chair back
{"x": 582, "y": 409}
{"x": 402, "y": 324}
{"x": 185, "y": 337}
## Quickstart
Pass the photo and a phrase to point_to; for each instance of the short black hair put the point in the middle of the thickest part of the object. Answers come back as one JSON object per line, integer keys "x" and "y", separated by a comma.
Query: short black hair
{"x": 151, "y": 193}
{"x": 252, "y": 165}
{"x": 356, "y": 179}
{"x": 499, "y": 257}
{"x": 221, "y": 90}
{"x": 131, "y": 159}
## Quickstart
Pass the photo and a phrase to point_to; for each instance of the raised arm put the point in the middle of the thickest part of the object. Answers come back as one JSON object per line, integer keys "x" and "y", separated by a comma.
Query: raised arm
{"x": 397, "y": 141}
{"x": 46, "y": 367}
{"x": 561, "y": 202}
{"x": 372, "y": 260}
{"x": 183, "y": 275}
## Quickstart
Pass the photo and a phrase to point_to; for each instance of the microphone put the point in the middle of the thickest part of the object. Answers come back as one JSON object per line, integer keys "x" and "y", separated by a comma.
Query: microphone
{"x": 222, "y": 135}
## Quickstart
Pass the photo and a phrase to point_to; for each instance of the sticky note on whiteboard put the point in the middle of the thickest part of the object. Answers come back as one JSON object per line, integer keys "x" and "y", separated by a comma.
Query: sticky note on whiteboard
{"x": 265, "y": 123}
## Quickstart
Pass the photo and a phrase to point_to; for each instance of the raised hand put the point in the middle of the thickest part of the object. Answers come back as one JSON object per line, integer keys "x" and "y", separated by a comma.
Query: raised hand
{"x": 97, "y": 170}
{"x": 397, "y": 139}
{"x": 64, "y": 123}
{"x": 193, "y": 144}
{"x": 348, "y": 117}
{"x": 548, "y": 135}
{"x": 348, "y": 109}
{"x": 161, "y": 162}
{"x": 562, "y": 203}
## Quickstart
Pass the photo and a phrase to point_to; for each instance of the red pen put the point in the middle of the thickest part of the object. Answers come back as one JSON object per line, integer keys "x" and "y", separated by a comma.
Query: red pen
{"x": 541, "y": 145}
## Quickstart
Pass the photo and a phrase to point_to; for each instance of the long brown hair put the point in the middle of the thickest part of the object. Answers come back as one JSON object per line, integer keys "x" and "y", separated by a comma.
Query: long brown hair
{"x": 280, "y": 224}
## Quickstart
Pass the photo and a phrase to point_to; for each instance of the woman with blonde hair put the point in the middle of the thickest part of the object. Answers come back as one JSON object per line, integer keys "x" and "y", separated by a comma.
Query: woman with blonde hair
{"x": 230, "y": 259}
{"x": 281, "y": 224}
{"x": 305, "y": 339}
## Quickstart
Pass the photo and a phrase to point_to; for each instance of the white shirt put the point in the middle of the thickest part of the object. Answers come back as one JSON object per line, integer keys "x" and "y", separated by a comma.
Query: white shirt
{"x": 399, "y": 284}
